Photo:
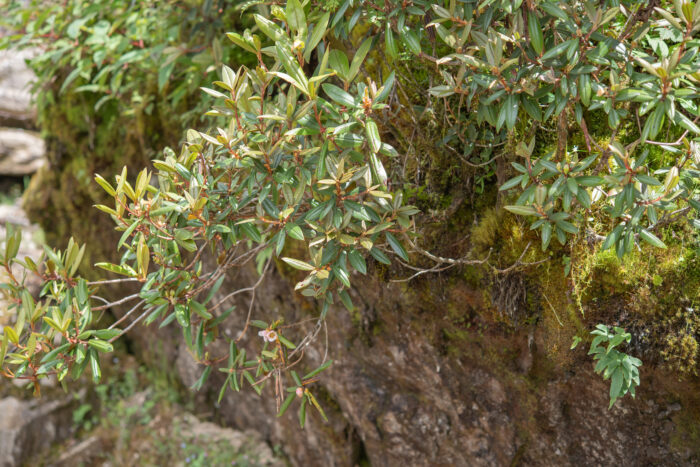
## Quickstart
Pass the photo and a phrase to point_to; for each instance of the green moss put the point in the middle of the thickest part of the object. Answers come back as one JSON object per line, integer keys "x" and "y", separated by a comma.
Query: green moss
{"x": 484, "y": 235}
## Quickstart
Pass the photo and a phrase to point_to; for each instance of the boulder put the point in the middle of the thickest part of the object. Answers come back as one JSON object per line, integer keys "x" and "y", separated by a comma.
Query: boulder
{"x": 15, "y": 79}
{"x": 22, "y": 152}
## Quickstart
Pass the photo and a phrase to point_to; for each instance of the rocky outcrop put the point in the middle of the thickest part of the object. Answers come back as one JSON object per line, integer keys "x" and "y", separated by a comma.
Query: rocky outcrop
{"x": 29, "y": 427}
{"x": 22, "y": 152}
{"x": 410, "y": 387}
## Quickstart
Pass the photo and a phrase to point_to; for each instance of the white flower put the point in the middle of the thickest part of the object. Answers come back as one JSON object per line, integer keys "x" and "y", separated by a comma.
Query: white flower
{"x": 268, "y": 335}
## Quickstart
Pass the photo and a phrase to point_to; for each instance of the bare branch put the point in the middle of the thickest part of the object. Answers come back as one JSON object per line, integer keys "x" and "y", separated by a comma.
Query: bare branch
{"x": 128, "y": 313}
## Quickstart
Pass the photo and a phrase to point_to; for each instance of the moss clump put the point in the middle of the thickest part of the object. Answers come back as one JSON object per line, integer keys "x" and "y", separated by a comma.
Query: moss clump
{"x": 680, "y": 345}
{"x": 485, "y": 233}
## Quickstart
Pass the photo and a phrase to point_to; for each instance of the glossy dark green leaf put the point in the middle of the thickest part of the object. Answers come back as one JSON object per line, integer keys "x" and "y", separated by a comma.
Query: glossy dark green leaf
{"x": 535, "y": 30}
{"x": 396, "y": 246}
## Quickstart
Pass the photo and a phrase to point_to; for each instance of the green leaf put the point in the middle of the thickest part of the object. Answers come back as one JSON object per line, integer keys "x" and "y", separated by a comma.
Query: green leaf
{"x": 286, "y": 342}
{"x": 215, "y": 288}
{"x": 11, "y": 335}
{"x": 251, "y": 232}
{"x": 558, "y": 50}
{"x": 567, "y": 227}
{"x": 359, "y": 58}
{"x": 373, "y": 135}
{"x": 296, "y": 19}
{"x": 510, "y": 106}
{"x": 222, "y": 391}
{"x": 127, "y": 233}
{"x": 651, "y": 239}
{"x": 338, "y": 95}
{"x": 107, "y": 334}
{"x": 575, "y": 342}
{"x": 270, "y": 29}
{"x": 347, "y": 301}
{"x": 318, "y": 370}
{"x": 396, "y": 246}
{"x": 589, "y": 180}
{"x": 302, "y": 413}
{"x": 553, "y": 10}
{"x": 378, "y": 171}
{"x": 240, "y": 42}
{"x": 653, "y": 123}
{"x": 412, "y": 42}
{"x": 105, "y": 185}
{"x": 69, "y": 79}
{"x": 318, "y": 33}
{"x": 379, "y": 255}
{"x": 615, "y": 385}
{"x": 535, "y": 30}
{"x": 95, "y": 367}
{"x": 521, "y": 210}
{"x": 182, "y": 314}
{"x": 686, "y": 123}
{"x": 647, "y": 180}
{"x": 342, "y": 275}
{"x": 546, "y": 235}
{"x": 294, "y": 231}
{"x": 123, "y": 270}
{"x": 285, "y": 405}
{"x": 532, "y": 107}
{"x": 259, "y": 324}
{"x": 391, "y": 48}
{"x": 512, "y": 182}
{"x": 100, "y": 345}
{"x": 442, "y": 91}
{"x": 357, "y": 261}
{"x": 297, "y": 264}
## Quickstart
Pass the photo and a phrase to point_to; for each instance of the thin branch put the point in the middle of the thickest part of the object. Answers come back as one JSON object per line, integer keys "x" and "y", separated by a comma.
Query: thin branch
{"x": 128, "y": 313}
{"x": 308, "y": 338}
{"x": 553, "y": 310}
{"x": 118, "y": 302}
{"x": 435, "y": 268}
{"x": 440, "y": 259}
{"x": 252, "y": 300}
{"x": 133, "y": 323}
{"x": 239, "y": 291}
{"x": 519, "y": 262}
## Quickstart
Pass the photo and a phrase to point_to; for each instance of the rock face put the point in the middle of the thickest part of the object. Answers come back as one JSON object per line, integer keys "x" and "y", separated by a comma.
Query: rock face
{"x": 408, "y": 387}
{"x": 28, "y": 427}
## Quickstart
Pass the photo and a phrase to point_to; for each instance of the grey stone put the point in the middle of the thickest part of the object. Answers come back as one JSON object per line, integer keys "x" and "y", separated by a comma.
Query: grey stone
{"x": 21, "y": 152}
{"x": 15, "y": 79}
{"x": 29, "y": 427}
{"x": 247, "y": 440}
